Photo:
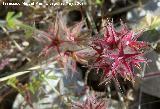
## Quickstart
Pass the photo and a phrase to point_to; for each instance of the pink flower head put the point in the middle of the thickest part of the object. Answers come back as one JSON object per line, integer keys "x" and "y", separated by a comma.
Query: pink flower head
{"x": 90, "y": 103}
{"x": 64, "y": 42}
{"x": 59, "y": 37}
{"x": 118, "y": 52}
{"x": 52, "y": 39}
{"x": 3, "y": 63}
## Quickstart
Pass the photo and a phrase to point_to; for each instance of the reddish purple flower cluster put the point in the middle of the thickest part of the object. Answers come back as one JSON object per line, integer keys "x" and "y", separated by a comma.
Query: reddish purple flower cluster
{"x": 118, "y": 52}
{"x": 3, "y": 63}
{"x": 91, "y": 103}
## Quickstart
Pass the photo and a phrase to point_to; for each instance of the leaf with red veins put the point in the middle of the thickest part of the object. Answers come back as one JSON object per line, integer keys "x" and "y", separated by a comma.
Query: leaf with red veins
{"x": 75, "y": 32}
{"x": 54, "y": 44}
{"x": 71, "y": 33}
{"x": 55, "y": 41}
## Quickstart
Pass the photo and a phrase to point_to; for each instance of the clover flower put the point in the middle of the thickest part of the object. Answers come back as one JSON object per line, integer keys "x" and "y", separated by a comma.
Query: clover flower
{"x": 64, "y": 43}
{"x": 53, "y": 39}
{"x": 3, "y": 63}
{"x": 60, "y": 37}
{"x": 118, "y": 52}
{"x": 90, "y": 103}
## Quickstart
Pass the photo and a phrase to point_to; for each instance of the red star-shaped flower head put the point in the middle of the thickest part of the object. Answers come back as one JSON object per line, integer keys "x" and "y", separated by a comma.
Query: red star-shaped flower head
{"x": 90, "y": 103}
{"x": 118, "y": 53}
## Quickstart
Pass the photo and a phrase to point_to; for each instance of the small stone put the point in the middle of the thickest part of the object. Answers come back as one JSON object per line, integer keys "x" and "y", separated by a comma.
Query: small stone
{"x": 25, "y": 43}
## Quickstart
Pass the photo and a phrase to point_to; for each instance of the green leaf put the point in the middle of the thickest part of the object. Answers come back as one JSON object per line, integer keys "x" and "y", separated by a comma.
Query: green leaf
{"x": 12, "y": 21}
{"x": 34, "y": 84}
{"x": 155, "y": 22}
{"x": 31, "y": 88}
{"x": 27, "y": 29}
{"x": 9, "y": 15}
{"x": 12, "y": 82}
{"x": 99, "y": 2}
{"x": 150, "y": 22}
{"x": 13, "y": 16}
